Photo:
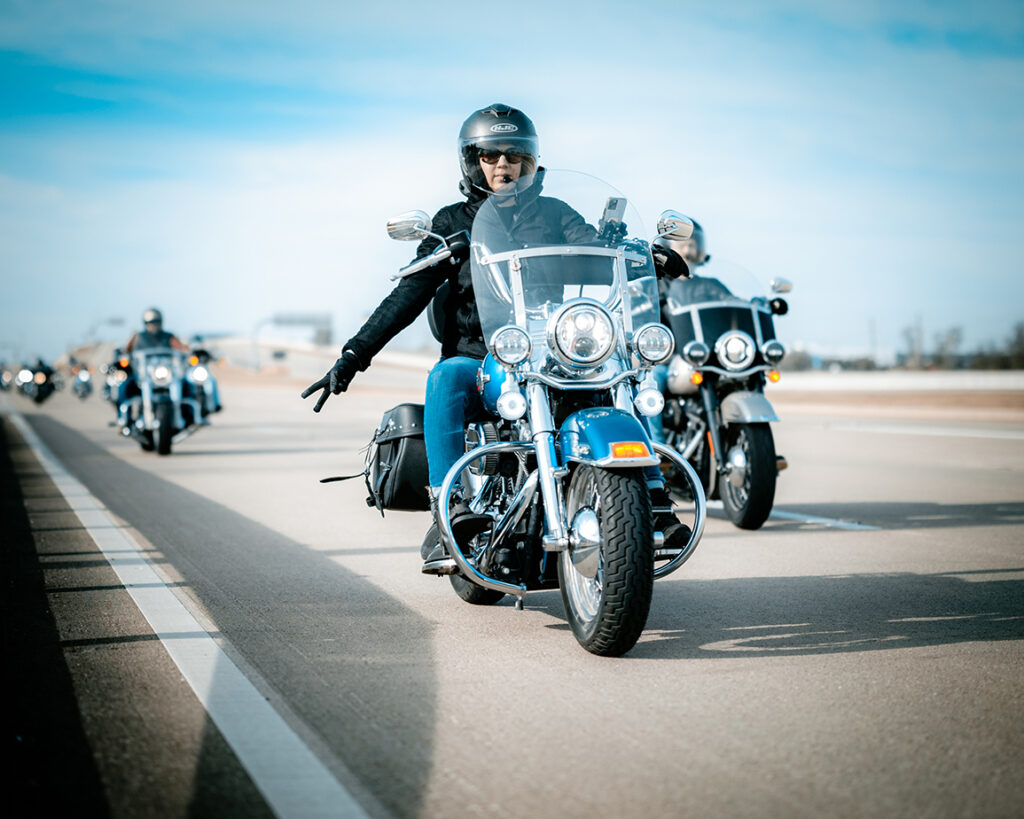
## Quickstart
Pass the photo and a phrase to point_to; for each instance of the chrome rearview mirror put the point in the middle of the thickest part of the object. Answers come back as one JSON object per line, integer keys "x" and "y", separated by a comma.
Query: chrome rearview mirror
{"x": 410, "y": 226}
{"x": 674, "y": 225}
{"x": 780, "y": 285}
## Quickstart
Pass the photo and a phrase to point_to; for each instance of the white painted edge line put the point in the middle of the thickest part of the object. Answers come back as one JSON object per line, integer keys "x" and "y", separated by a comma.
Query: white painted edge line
{"x": 832, "y": 523}
{"x": 291, "y": 778}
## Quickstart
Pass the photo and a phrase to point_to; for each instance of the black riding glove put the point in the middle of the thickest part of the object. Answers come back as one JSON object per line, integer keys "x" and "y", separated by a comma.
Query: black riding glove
{"x": 336, "y": 380}
{"x": 459, "y": 246}
{"x": 669, "y": 264}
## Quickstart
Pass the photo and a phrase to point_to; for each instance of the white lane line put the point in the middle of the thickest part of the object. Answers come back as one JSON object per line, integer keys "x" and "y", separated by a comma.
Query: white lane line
{"x": 940, "y": 431}
{"x": 293, "y": 780}
{"x": 832, "y": 523}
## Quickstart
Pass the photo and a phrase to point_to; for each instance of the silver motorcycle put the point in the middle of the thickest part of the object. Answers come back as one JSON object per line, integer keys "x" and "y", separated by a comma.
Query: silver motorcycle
{"x": 161, "y": 408}
{"x": 716, "y": 412}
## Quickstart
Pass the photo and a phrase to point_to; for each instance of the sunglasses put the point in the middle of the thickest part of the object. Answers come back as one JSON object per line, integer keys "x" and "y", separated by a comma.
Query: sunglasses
{"x": 492, "y": 157}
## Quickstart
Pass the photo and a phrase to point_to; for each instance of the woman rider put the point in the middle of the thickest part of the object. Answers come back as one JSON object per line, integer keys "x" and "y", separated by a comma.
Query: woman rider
{"x": 497, "y": 145}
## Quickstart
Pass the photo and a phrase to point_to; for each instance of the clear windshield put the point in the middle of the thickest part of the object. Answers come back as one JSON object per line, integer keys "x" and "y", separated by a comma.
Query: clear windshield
{"x": 554, "y": 236}
{"x": 717, "y": 281}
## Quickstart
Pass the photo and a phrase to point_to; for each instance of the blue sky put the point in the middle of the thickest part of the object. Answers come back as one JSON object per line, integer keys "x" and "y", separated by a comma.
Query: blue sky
{"x": 227, "y": 160}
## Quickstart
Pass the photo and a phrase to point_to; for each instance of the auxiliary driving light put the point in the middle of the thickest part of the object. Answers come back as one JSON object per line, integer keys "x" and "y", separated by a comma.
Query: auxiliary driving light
{"x": 511, "y": 345}
{"x": 654, "y": 343}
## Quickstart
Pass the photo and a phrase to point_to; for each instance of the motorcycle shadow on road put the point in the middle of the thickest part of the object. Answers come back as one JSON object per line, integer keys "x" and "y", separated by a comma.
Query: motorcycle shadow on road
{"x": 779, "y": 616}
{"x": 897, "y": 516}
{"x": 776, "y": 616}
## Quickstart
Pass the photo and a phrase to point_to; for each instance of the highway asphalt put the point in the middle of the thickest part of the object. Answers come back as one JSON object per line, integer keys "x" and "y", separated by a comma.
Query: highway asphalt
{"x": 861, "y": 655}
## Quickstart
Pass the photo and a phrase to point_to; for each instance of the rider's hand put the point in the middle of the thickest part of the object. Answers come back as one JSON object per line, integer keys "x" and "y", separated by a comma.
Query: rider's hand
{"x": 335, "y": 381}
{"x": 668, "y": 263}
{"x": 459, "y": 246}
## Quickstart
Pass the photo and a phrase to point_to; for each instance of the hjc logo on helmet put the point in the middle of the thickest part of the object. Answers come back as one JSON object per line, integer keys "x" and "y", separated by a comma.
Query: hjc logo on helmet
{"x": 504, "y": 128}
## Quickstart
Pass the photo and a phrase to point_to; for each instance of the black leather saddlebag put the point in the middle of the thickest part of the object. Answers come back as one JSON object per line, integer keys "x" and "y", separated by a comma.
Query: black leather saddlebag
{"x": 396, "y": 469}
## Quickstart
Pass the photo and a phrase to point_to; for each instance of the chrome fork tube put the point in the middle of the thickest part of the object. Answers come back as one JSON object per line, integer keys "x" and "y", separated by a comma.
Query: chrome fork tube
{"x": 556, "y": 538}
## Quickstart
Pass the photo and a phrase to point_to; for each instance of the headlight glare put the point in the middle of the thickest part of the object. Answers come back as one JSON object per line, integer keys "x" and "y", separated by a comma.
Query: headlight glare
{"x": 161, "y": 374}
{"x": 581, "y": 333}
{"x": 200, "y": 374}
{"x": 735, "y": 350}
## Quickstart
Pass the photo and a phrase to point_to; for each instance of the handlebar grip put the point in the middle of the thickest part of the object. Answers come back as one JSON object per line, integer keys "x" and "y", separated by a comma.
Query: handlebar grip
{"x": 423, "y": 264}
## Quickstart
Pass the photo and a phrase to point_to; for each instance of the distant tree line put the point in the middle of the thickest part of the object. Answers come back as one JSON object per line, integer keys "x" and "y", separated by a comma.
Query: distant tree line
{"x": 944, "y": 355}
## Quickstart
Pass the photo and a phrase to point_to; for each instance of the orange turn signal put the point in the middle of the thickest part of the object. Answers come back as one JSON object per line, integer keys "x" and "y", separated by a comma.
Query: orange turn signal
{"x": 630, "y": 449}
{"x": 124, "y": 362}
{"x": 773, "y": 375}
{"x": 696, "y": 379}
{"x": 193, "y": 360}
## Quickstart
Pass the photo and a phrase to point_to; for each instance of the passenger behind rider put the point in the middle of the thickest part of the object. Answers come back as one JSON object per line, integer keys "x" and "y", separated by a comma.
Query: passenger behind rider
{"x": 497, "y": 146}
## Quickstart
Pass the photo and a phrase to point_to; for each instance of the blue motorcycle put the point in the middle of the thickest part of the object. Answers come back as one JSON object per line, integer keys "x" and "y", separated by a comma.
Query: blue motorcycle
{"x": 561, "y": 461}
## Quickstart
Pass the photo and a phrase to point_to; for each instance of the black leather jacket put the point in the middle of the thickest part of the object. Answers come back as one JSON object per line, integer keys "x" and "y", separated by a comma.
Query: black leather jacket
{"x": 413, "y": 293}
{"x": 537, "y": 218}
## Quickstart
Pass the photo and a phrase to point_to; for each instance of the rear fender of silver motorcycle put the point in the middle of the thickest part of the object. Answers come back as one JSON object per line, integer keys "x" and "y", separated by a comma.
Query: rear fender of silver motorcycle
{"x": 747, "y": 407}
{"x": 606, "y": 437}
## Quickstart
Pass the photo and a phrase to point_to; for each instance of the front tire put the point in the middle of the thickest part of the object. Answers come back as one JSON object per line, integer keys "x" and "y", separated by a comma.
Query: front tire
{"x": 472, "y": 593}
{"x": 164, "y": 428}
{"x": 749, "y": 504}
{"x": 607, "y": 574}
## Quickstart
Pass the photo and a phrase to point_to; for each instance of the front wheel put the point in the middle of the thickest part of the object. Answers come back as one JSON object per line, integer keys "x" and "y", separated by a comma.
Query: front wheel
{"x": 607, "y": 573}
{"x": 749, "y": 493}
{"x": 164, "y": 428}
{"x": 472, "y": 593}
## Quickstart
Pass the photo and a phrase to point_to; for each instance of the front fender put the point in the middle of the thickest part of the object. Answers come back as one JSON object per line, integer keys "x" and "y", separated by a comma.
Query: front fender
{"x": 589, "y": 435}
{"x": 746, "y": 407}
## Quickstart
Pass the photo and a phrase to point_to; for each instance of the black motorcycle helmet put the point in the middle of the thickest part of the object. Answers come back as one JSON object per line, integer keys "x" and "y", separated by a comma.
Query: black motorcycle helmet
{"x": 496, "y": 127}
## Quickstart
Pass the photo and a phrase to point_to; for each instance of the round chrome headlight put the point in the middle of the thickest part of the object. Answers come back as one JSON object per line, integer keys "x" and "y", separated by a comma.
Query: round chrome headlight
{"x": 773, "y": 351}
{"x": 161, "y": 375}
{"x": 735, "y": 350}
{"x": 696, "y": 353}
{"x": 24, "y": 376}
{"x": 581, "y": 333}
{"x": 39, "y": 378}
{"x": 654, "y": 343}
{"x": 119, "y": 376}
{"x": 511, "y": 345}
{"x": 200, "y": 374}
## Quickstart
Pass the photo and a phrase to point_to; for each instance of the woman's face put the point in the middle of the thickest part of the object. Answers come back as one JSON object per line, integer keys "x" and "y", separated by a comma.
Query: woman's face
{"x": 500, "y": 173}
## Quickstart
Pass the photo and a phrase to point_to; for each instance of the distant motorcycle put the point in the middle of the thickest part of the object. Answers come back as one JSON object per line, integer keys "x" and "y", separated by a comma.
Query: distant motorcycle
{"x": 36, "y": 381}
{"x": 716, "y": 414}
{"x": 159, "y": 409}
{"x": 82, "y": 384}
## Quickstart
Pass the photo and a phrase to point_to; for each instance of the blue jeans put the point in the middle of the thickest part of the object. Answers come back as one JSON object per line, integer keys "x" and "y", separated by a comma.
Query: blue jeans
{"x": 452, "y": 400}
